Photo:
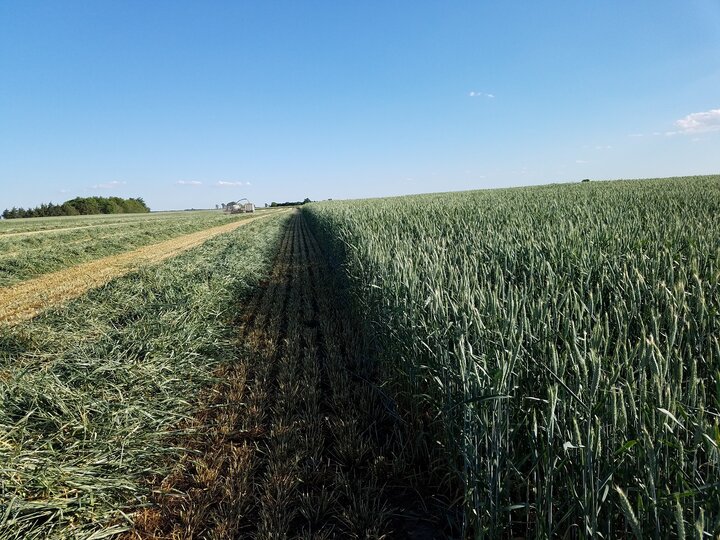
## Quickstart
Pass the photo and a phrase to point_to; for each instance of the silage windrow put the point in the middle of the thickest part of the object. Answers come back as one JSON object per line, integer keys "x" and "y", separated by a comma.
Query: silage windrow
{"x": 564, "y": 338}
{"x": 40, "y": 250}
{"x": 91, "y": 395}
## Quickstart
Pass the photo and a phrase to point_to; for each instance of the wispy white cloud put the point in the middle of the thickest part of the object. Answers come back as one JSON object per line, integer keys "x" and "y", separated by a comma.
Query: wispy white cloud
{"x": 699, "y": 122}
{"x": 223, "y": 183}
{"x": 109, "y": 185}
{"x": 599, "y": 147}
{"x": 653, "y": 134}
{"x": 580, "y": 161}
{"x": 693, "y": 124}
{"x": 481, "y": 95}
{"x": 189, "y": 183}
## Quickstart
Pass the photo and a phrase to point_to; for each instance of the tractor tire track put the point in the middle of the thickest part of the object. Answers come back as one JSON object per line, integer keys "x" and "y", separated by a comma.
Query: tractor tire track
{"x": 292, "y": 442}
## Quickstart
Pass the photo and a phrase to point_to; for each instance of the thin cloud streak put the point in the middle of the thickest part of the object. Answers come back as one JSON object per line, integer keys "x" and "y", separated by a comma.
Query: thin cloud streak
{"x": 223, "y": 183}
{"x": 109, "y": 185}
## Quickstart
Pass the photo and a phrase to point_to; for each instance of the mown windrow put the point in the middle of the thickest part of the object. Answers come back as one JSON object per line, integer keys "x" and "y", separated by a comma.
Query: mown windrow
{"x": 24, "y": 255}
{"x": 565, "y": 339}
{"x": 28, "y": 298}
{"x": 90, "y": 395}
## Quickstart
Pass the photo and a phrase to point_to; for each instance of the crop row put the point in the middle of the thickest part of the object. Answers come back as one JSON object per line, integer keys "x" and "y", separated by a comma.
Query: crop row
{"x": 562, "y": 340}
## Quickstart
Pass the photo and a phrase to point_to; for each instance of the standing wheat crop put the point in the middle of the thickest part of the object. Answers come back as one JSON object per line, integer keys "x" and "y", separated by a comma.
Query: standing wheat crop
{"x": 565, "y": 339}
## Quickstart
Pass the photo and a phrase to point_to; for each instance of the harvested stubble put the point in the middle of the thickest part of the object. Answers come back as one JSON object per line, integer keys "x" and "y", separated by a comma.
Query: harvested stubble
{"x": 91, "y": 394}
{"x": 28, "y": 298}
{"x": 566, "y": 340}
{"x": 295, "y": 441}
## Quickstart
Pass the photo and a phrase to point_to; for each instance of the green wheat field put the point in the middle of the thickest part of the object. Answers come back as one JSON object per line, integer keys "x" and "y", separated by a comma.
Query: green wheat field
{"x": 545, "y": 358}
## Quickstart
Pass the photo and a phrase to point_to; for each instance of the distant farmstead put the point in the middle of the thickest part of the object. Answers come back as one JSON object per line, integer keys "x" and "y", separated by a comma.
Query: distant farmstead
{"x": 243, "y": 206}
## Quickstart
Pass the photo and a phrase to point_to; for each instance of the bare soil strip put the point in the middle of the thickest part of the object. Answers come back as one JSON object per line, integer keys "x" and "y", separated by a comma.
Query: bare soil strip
{"x": 26, "y": 299}
{"x": 296, "y": 441}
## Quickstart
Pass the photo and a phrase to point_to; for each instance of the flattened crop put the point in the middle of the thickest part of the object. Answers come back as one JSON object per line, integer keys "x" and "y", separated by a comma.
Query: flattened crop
{"x": 25, "y": 300}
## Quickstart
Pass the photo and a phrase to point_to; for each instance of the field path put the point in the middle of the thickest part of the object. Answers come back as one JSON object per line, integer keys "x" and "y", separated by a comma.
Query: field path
{"x": 296, "y": 441}
{"x": 25, "y": 300}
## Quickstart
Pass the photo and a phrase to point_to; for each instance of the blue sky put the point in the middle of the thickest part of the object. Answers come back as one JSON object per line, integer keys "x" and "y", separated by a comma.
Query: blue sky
{"x": 189, "y": 104}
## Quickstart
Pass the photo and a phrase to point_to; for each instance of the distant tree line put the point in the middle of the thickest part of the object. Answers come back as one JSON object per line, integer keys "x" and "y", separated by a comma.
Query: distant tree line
{"x": 296, "y": 203}
{"x": 81, "y": 206}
